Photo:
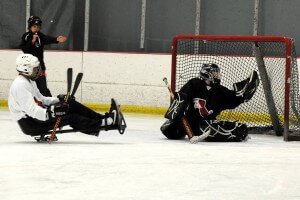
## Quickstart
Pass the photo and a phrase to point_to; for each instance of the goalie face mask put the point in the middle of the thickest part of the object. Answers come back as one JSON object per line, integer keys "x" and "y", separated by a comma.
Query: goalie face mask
{"x": 210, "y": 72}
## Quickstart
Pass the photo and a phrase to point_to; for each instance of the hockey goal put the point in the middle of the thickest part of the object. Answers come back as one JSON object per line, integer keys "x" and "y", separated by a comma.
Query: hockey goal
{"x": 275, "y": 105}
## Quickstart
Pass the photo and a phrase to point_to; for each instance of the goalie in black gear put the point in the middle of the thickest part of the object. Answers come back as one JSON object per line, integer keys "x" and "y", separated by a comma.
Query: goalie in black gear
{"x": 202, "y": 99}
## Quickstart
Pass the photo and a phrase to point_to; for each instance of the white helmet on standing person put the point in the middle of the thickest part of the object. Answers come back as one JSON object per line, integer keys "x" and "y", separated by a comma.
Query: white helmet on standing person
{"x": 26, "y": 64}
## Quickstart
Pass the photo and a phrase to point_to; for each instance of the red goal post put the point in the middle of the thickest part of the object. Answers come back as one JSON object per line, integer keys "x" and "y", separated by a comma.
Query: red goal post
{"x": 276, "y": 104}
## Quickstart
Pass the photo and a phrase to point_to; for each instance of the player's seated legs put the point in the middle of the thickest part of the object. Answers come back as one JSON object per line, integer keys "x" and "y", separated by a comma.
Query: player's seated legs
{"x": 34, "y": 127}
{"x": 79, "y": 117}
{"x": 246, "y": 88}
{"x": 91, "y": 122}
{"x": 110, "y": 118}
{"x": 80, "y": 109}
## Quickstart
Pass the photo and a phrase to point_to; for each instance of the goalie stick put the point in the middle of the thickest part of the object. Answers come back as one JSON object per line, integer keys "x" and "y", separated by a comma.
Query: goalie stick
{"x": 193, "y": 139}
{"x": 69, "y": 82}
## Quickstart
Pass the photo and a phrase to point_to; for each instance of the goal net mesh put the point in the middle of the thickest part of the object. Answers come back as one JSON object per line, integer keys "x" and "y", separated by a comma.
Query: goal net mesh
{"x": 237, "y": 60}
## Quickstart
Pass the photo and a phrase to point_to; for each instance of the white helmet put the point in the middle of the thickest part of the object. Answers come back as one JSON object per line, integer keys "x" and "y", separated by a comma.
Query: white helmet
{"x": 26, "y": 62}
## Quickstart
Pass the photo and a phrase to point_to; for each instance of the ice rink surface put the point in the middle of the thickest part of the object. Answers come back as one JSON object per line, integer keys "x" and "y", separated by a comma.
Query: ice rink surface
{"x": 142, "y": 164}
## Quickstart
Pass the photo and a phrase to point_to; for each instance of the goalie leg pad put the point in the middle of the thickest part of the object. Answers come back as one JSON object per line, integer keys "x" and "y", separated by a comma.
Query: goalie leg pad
{"x": 172, "y": 130}
{"x": 224, "y": 131}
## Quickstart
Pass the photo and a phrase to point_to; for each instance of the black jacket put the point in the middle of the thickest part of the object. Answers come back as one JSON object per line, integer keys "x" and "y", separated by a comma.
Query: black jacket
{"x": 210, "y": 103}
{"x": 36, "y": 49}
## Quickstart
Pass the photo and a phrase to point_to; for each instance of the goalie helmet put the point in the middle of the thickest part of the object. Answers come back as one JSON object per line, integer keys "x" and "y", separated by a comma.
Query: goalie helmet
{"x": 210, "y": 72}
{"x": 34, "y": 20}
{"x": 26, "y": 63}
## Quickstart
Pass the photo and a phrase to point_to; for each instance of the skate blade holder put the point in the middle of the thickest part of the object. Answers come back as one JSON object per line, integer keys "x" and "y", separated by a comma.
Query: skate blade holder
{"x": 122, "y": 128}
{"x": 43, "y": 138}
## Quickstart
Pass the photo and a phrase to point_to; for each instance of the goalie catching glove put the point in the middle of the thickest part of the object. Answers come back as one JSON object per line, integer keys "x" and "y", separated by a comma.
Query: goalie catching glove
{"x": 57, "y": 110}
{"x": 177, "y": 107}
{"x": 247, "y": 87}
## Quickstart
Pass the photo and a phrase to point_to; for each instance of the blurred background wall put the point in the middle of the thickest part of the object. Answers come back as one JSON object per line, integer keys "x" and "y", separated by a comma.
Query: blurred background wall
{"x": 145, "y": 25}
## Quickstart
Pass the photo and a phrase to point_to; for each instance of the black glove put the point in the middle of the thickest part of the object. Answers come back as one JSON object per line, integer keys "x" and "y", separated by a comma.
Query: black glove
{"x": 62, "y": 97}
{"x": 58, "y": 110}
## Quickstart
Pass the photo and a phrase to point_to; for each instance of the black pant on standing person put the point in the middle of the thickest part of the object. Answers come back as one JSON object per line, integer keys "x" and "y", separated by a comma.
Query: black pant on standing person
{"x": 41, "y": 83}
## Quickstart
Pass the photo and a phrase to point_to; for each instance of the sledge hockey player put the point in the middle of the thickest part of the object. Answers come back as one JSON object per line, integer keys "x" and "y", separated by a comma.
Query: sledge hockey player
{"x": 33, "y": 42}
{"x": 37, "y": 114}
{"x": 201, "y": 100}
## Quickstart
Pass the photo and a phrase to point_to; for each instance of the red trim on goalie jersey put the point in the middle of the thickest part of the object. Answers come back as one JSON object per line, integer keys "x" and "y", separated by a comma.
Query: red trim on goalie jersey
{"x": 200, "y": 104}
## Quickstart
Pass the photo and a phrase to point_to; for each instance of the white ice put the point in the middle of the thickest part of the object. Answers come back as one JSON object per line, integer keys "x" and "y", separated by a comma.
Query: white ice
{"x": 142, "y": 164}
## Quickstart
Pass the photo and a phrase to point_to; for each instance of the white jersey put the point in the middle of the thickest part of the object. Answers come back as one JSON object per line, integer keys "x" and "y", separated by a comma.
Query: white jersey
{"x": 23, "y": 98}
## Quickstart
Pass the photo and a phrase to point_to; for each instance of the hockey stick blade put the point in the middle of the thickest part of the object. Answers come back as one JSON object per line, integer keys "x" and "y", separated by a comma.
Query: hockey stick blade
{"x": 76, "y": 84}
{"x": 69, "y": 82}
{"x": 69, "y": 79}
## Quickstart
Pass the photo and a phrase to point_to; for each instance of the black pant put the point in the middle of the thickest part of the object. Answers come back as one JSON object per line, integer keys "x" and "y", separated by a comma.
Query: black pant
{"x": 41, "y": 83}
{"x": 79, "y": 117}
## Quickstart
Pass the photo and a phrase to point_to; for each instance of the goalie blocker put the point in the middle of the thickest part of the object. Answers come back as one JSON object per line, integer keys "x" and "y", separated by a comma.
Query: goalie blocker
{"x": 177, "y": 107}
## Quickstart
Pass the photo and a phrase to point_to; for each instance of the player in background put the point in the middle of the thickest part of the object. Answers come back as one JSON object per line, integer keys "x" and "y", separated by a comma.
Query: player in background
{"x": 33, "y": 42}
{"x": 201, "y": 100}
{"x": 37, "y": 114}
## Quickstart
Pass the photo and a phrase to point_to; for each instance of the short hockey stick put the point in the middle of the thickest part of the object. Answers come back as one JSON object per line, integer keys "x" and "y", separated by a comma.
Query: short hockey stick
{"x": 76, "y": 84}
{"x": 69, "y": 81}
{"x": 75, "y": 87}
{"x": 183, "y": 118}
